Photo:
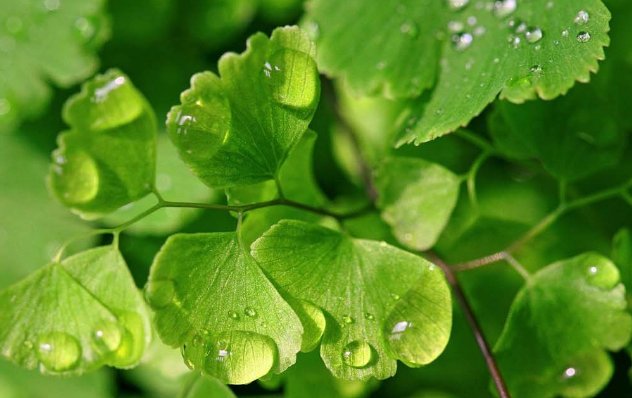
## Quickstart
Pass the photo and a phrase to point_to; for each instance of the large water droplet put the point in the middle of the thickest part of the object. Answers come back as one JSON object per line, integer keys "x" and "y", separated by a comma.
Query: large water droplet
{"x": 235, "y": 357}
{"x": 462, "y": 41}
{"x": 582, "y": 17}
{"x": 58, "y": 351}
{"x": 201, "y": 125}
{"x": 133, "y": 340}
{"x": 533, "y": 34}
{"x": 293, "y": 80}
{"x": 503, "y": 8}
{"x": 160, "y": 293}
{"x": 357, "y": 354}
{"x": 75, "y": 176}
{"x": 107, "y": 337}
{"x": 583, "y": 37}
{"x": 456, "y": 5}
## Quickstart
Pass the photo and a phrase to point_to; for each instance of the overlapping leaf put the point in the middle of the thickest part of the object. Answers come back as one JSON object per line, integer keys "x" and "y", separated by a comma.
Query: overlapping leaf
{"x": 238, "y": 129}
{"x": 469, "y": 51}
{"x": 416, "y": 198}
{"x": 380, "y": 303}
{"x": 43, "y": 41}
{"x": 296, "y": 178}
{"x": 212, "y": 300}
{"x": 108, "y": 158}
{"x": 74, "y": 316}
{"x": 563, "y": 321}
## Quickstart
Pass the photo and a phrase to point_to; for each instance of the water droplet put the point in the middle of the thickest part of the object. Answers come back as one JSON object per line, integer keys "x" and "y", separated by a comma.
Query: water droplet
{"x": 250, "y": 312}
{"x": 536, "y": 69}
{"x": 455, "y": 26}
{"x": 233, "y": 315}
{"x": 160, "y": 293}
{"x": 456, "y": 5}
{"x": 550, "y": 5}
{"x": 133, "y": 340}
{"x": 107, "y": 337}
{"x": 521, "y": 27}
{"x": 496, "y": 60}
{"x": 533, "y": 34}
{"x": 479, "y": 31}
{"x": 570, "y": 373}
{"x": 395, "y": 296}
{"x": 77, "y": 180}
{"x": 58, "y": 351}
{"x": 410, "y": 29}
{"x": 292, "y": 79}
{"x": 202, "y": 124}
{"x": 399, "y": 329}
{"x": 565, "y": 33}
{"x": 51, "y": 5}
{"x": 380, "y": 65}
{"x": 583, "y": 37}
{"x": 13, "y": 25}
{"x": 235, "y": 357}
{"x": 85, "y": 28}
{"x": 357, "y": 354}
{"x": 582, "y": 18}
{"x": 347, "y": 320}
{"x": 471, "y": 20}
{"x": 462, "y": 41}
{"x": 369, "y": 316}
{"x": 5, "y": 106}
{"x": 515, "y": 41}
{"x": 313, "y": 30}
{"x": 504, "y": 8}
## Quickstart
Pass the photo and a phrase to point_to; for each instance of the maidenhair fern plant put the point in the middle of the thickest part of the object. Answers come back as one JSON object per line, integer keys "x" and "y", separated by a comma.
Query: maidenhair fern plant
{"x": 332, "y": 212}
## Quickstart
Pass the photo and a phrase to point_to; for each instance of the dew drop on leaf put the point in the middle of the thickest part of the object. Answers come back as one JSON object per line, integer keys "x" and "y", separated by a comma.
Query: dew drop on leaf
{"x": 75, "y": 176}
{"x": 462, "y": 40}
{"x": 456, "y": 5}
{"x": 455, "y": 26}
{"x": 369, "y": 316}
{"x": 85, "y": 28}
{"x": 292, "y": 78}
{"x": 160, "y": 293}
{"x": 583, "y": 37}
{"x": 533, "y": 35}
{"x": 133, "y": 341}
{"x": 395, "y": 296}
{"x": 582, "y": 18}
{"x": 504, "y": 8}
{"x": 5, "y": 107}
{"x": 107, "y": 337}
{"x": 347, "y": 320}
{"x": 569, "y": 373}
{"x": 233, "y": 315}
{"x": 51, "y": 5}
{"x": 565, "y": 33}
{"x": 249, "y": 311}
{"x": 58, "y": 351}
{"x": 357, "y": 354}
{"x": 201, "y": 125}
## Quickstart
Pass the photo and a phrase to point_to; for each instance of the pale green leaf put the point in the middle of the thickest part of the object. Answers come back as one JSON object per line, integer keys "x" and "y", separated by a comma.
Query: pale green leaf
{"x": 43, "y": 42}
{"x": 380, "y": 303}
{"x": 539, "y": 50}
{"x": 416, "y": 199}
{"x": 75, "y": 316}
{"x": 468, "y": 54}
{"x": 108, "y": 158}
{"x": 379, "y": 46}
{"x": 212, "y": 299}
{"x": 238, "y": 129}
{"x": 563, "y": 321}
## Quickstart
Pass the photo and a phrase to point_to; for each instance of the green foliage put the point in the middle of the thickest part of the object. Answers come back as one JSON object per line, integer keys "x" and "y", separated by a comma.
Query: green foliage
{"x": 212, "y": 299}
{"x": 73, "y": 316}
{"x": 381, "y": 303}
{"x": 107, "y": 159}
{"x": 238, "y": 129}
{"x": 563, "y": 320}
{"x": 292, "y": 242}
{"x": 44, "y": 41}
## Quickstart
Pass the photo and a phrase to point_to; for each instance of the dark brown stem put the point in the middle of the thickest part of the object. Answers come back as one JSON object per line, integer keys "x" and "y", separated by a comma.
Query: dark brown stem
{"x": 499, "y": 382}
